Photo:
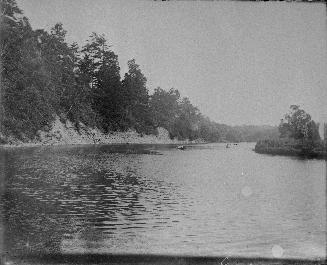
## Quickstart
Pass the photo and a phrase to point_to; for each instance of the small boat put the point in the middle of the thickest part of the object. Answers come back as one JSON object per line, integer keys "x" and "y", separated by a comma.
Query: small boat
{"x": 181, "y": 147}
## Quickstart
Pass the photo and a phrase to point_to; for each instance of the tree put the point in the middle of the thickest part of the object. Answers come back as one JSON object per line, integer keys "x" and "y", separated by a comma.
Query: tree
{"x": 313, "y": 131}
{"x": 186, "y": 126}
{"x": 298, "y": 124}
{"x": 99, "y": 68}
{"x": 58, "y": 60}
{"x": 136, "y": 99}
{"x": 208, "y": 130}
{"x": 165, "y": 107}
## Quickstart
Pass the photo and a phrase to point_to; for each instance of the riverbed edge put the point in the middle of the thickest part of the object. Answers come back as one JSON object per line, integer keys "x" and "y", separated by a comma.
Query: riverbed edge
{"x": 292, "y": 152}
{"x": 109, "y": 140}
{"x": 66, "y": 133}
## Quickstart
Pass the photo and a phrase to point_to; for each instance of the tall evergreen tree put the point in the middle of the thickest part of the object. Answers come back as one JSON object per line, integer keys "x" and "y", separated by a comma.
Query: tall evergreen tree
{"x": 100, "y": 68}
{"x": 136, "y": 99}
{"x": 58, "y": 60}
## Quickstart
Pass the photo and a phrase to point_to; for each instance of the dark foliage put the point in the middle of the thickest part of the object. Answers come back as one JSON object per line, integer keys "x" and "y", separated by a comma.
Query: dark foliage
{"x": 43, "y": 77}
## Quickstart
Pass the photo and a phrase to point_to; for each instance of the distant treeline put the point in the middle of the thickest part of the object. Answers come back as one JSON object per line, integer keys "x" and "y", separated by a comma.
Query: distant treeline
{"x": 44, "y": 77}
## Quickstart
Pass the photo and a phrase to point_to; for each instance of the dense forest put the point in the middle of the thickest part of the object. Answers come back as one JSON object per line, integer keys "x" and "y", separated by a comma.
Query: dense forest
{"x": 44, "y": 77}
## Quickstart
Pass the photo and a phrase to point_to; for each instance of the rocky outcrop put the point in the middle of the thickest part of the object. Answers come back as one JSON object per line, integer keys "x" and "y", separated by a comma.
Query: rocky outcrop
{"x": 66, "y": 133}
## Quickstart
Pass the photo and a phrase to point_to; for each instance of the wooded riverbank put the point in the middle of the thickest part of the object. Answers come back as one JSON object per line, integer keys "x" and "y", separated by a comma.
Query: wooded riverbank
{"x": 45, "y": 78}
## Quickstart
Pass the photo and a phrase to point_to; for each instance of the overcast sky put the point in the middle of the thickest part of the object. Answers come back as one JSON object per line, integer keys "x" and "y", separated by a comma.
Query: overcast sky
{"x": 238, "y": 62}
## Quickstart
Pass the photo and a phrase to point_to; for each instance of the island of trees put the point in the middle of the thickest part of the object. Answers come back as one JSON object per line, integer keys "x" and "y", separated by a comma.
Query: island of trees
{"x": 299, "y": 135}
{"x": 43, "y": 77}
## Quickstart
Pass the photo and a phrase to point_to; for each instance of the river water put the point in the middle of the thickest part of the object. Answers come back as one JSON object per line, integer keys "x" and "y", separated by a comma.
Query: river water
{"x": 156, "y": 199}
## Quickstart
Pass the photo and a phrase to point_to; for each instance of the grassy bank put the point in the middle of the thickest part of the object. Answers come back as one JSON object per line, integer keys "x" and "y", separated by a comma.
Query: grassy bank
{"x": 292, "y": 148}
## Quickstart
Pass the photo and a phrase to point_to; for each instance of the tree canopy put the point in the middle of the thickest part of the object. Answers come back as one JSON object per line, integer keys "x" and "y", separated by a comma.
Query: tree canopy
{"x": 44, "y": 77}
{"x": 298, "y": 124}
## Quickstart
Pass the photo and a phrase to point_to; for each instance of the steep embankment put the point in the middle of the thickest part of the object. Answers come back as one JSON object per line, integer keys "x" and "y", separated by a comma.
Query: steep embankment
{"x": 65, "y": 133}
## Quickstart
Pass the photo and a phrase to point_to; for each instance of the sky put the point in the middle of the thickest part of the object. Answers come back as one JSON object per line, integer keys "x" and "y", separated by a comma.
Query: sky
{"x": 238, "y": 62}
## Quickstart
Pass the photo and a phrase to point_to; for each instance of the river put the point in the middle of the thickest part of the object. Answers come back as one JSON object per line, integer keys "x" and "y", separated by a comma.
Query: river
{"x": 155, "y": 199}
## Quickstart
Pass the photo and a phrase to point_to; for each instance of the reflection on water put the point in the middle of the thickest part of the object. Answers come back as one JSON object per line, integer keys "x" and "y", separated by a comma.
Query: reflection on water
{"x": 206, "y": 200}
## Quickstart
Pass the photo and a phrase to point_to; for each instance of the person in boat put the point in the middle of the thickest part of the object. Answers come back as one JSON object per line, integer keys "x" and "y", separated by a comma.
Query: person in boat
{"x": 181, "y": 147}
